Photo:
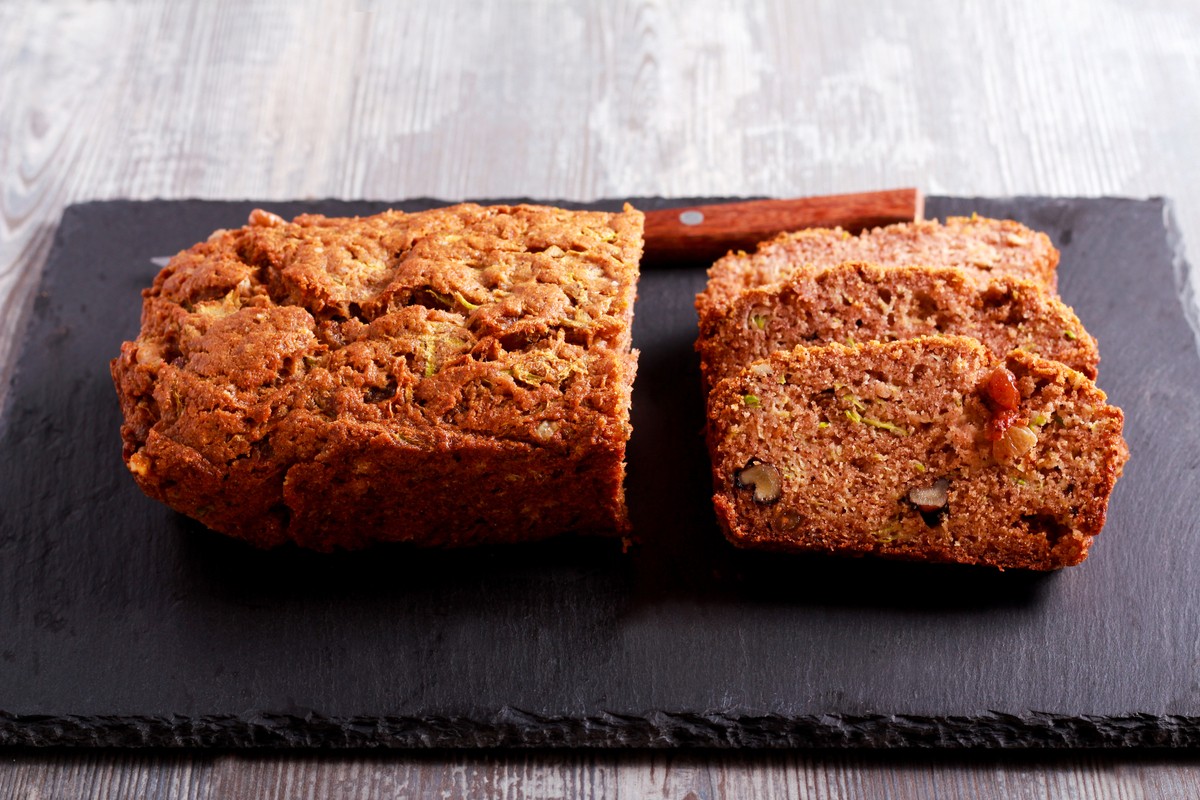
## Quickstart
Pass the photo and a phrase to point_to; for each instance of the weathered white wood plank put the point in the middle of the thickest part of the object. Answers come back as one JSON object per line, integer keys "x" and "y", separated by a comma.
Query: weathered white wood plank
{"x": 819, "y": 776}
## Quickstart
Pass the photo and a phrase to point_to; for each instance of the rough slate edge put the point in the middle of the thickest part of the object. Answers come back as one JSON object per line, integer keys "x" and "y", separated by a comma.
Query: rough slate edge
{"x": 510, "y": 727}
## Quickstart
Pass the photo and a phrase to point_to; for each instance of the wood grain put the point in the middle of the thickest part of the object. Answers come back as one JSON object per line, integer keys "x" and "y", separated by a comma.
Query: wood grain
{"x": 587, "y": 774}
{"x": 705, "y": 233}
{"x": 303, "y": 98}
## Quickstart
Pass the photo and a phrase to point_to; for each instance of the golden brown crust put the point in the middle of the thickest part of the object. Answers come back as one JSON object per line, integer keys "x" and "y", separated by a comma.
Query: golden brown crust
{"x": 445, "y": 377}
{"x": 852, "y": 431}
{"x": 863, "y": 302}
{"x": 980, "y": 246}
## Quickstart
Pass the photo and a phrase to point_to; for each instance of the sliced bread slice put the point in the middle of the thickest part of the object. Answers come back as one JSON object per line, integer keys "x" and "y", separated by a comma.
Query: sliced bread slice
{"x": 930, "y": 449}
{"x": 859, "y": 302}
{"x": 981, "y": 246}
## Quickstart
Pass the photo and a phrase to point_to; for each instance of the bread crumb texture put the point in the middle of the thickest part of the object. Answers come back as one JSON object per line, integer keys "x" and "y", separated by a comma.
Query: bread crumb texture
{"x": 856, "y": 302}
{"x": 980, "y": 246}
{"x": 931, "y": 448}
{"x": 445, "y": 377}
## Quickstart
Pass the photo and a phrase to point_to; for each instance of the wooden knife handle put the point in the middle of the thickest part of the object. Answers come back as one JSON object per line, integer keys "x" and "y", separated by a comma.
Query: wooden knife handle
{"x": 702, "y": 234}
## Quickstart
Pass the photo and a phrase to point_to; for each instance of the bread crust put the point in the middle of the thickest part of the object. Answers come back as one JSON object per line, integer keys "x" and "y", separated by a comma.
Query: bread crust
{"x": 980, "y": 246}
{"x": 446, "y": 377}
{"x": 861, "y": 302}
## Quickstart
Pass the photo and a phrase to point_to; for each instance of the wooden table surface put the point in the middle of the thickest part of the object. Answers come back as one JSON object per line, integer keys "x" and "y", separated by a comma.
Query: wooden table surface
{"x": 576, "y": 100}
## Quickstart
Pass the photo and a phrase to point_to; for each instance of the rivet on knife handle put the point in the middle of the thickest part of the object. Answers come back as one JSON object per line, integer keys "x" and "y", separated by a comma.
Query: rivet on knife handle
{"x": 700, "y": 234}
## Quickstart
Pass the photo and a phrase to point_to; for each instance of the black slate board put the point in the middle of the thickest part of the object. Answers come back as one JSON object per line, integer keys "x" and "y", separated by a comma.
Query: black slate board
{"x": 122, "y": 623}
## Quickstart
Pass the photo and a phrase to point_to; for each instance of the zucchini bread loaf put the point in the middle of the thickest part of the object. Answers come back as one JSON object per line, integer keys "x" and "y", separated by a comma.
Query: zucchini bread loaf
{"x": 980, "y": 246}
{"x": 862, "y": 302}
{"x": 447, "y": 377}
{"x": 930, "y": 448}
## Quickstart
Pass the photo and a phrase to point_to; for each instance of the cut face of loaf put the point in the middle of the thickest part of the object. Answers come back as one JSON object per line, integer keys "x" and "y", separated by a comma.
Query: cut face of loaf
{"x": 862, "y": 302}
{"x": 448, "y": 377}
{"x": 980, "y": 246}
{"x": 930, "y": 449}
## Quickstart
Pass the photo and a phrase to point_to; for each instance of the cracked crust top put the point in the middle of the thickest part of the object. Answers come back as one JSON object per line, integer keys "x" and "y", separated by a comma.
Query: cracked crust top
{"x": 455, "y": 328}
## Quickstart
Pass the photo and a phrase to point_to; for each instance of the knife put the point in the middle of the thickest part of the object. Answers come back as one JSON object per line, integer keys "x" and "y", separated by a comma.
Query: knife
{"x": 700, "y": 234}
{"x": 703, "y": 233}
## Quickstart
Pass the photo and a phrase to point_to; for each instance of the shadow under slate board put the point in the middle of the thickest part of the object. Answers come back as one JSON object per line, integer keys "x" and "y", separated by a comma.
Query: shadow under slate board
{"x": 122, "y": 623}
